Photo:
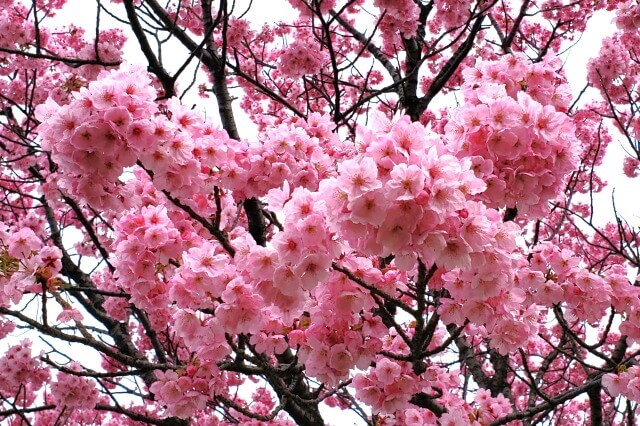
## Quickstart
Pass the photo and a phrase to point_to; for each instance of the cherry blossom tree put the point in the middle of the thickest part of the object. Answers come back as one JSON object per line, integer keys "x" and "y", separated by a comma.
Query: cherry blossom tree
{"x": 378, "y": 207}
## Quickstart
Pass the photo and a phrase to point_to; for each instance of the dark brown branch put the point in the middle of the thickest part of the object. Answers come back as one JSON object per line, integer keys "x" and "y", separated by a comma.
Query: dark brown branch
{"x": 416, "y": 109}
{"x": 99, "y": 346}
{"x": 425, "y": 401}
{"x": 468, "y": 357}
{"x": 155, "y": 66}
{"x": 375, "y": 51}
{"x": 72, "y": 62}
{"x": 218, "y": 234}
{"x": 88, "y": 373}
{"x": 595, "y": 404}
{"x": 373, "y": 290}
{"x": 555, "y": 402}
{"x": 89, "y": 228}
{"x": 170, "y": 421}
{"x": 506, "y": 44}
{"x": 14, "y": 411}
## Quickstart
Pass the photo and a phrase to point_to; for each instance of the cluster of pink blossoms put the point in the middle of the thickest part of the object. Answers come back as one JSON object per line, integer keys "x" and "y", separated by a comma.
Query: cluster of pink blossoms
{"x": 25, "y": 263}
{"x": 297, "y": 260}
{"x": 490, "y": 408}
{"x": 6, "y": 327}
{"x": 388, "y": 386}
{"x": 626, "y": 383}
{"x": 625, "y": 299}
{"x": 21, "y": 374}
{"x": 146, "y": 239}
{"x": 300, "y": 152}
{"x": 556, "y": 276}
{"x": 342, "y": 334}
{"x": 115, "y": 124}
{"x": 98, "y": 134}
{"x": 187, "y": 391}
{"x": 401, "y": 17}
{"x": 492, "y": 301}
{"x": 14, "y": 31}
{"x": 628, "y": 16}
{"x": 74, "y": 391}
{"x": 302, "y": 57}
{"x": 514, "y": 129}
{"x": 202, "y": 277}
{"x": 613, "y": 71}
{"x": 450, "y": 14}
{"x": 631, "y": 167}
{"x": 406, "y": 196}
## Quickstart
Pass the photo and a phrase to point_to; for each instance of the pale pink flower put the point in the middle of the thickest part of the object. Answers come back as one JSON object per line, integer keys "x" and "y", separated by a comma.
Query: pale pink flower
{"x": 74, "y": 391}
{"x": 262, "y": 262}
{"x": 406, "y": 182}
{"x": 312, "y": 230}
{"x": 313, "y": 269}
{"x": 369, "y": 208}
{"x": 455, "y": 255}
{"x": 340, "y": 358}
{"x": 119, "y": 118}
{"x": 68, "y": 315}
{"x": 615, "y": 384}
{"x": 289, "y": 246}
{"x": 394, "y": 234}
{"x": 357, "y": 177}
{"x": 387, "y": 371}
{"x": 446, "y": 196}
{"x": 22, "y": 243}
